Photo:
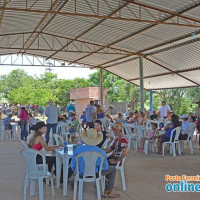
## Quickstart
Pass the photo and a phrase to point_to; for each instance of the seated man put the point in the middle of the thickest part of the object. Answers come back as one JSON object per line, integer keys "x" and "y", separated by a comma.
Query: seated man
{"x": 91, "y": 138}
{"x": 84, "y": 120}
{"x": 74, "y": 123}
{"x": 7, "y": 121}
{"x": 119, "y": 147}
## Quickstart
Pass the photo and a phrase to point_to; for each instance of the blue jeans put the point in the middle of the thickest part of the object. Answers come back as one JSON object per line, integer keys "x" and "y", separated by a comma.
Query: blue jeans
{"x": 24, "y": 131}
{"x": 49, "y": 126}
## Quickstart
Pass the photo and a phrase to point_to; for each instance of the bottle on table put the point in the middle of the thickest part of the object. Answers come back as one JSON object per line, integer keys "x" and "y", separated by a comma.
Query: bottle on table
{"x": 65, "y": 147}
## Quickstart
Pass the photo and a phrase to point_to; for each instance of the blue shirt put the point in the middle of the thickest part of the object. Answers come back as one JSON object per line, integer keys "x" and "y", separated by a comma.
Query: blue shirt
{"x": 70, "y": 108}
{"x": 52, "y": 112}
{"x": 88, "y": 111}
{"x": 100, "y": 115}
{"x": 169, "y": 131}
{"x": 184, "y": 125}
{"x": 83, "y": 117}
{"x": 7, "y": 121}
{"x": 84, "y": 148}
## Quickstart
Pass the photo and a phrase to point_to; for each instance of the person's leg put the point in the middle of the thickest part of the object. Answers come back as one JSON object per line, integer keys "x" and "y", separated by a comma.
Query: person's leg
{"x": 110, "y": 175}
{"x": 142, "y": 143}
{"x": 22, "y": 130}
{"x": 159, "y": 143}
{"x": 25, "y": 129}
{"x": 54, "y": 131}
{"x": 47, "y": 133}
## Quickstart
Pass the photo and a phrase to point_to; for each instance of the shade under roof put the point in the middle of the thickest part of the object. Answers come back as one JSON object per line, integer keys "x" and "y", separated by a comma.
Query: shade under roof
{"x": 111, "y": 34}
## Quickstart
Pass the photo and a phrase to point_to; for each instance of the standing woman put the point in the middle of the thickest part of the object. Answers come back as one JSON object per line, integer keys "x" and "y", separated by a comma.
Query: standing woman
{"x": 23, "y": 116}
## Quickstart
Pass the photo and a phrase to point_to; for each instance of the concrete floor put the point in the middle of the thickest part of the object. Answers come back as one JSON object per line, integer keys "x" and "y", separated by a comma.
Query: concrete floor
{"x": 144, "y": 176}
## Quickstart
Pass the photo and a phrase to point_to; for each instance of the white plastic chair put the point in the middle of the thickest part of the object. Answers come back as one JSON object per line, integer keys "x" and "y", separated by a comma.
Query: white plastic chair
{"x": 90, "y": 159}
{"x": 33, "y": 173}
{"x": 148, "y": 145}
{"x": 126, "y": 130}
{"x": 190, "y": 142}
{"x": 58, "y": 139}
{"x": 4, "y": 131}
{"x": 121, "y": 168}
{"x": 172, "y": 144}
{"x": 24, "y": 145}
{"x": 118, "y": 167}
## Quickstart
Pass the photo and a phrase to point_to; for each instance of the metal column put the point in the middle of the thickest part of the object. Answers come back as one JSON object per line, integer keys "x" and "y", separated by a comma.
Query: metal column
{"x": 101, "y": 86}
{"x": 141, "y": 84}
{"x": 151, "y": 102}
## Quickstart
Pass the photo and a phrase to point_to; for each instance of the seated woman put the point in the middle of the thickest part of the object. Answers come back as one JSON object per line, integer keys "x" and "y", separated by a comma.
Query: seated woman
{"x": 100, "y": 113}
{"x": 148, "y": 137}
{"x": 189, "y": 129}
{"x": 38, "y": 142}
{"x": 98, "y": 127}
{"x": 165, "y": 137}
{"x": 120, "y": 117}
{"x": 131, "y": 118}
{"x": 141, "y": 119}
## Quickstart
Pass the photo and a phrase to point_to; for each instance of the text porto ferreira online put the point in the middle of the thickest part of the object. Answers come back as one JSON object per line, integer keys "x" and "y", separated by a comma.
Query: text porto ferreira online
{"x": 186, "y": 183}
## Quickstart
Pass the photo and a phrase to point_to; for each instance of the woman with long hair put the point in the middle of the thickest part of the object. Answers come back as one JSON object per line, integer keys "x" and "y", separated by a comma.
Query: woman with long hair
{"x": 165, "y": 137}
{"x": 100, "y": 112}
{"x": 23, "y": 116}
{"x": 38, "y": 142}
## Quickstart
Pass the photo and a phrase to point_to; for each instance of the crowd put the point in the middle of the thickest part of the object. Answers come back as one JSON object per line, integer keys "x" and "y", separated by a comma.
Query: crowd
{"x": 94, "y": 136}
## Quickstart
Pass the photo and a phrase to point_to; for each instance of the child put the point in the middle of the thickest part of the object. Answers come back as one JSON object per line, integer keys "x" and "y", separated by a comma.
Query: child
{"x": 148, "y": 137}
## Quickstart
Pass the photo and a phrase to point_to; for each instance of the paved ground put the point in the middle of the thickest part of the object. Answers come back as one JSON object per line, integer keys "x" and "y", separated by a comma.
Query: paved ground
{"x": 144, "y": 176}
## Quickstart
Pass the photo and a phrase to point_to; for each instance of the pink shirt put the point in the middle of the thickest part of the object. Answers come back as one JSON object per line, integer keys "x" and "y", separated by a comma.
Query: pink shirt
{"x": 23, "y": 115}
{"x": 151, "y": 133}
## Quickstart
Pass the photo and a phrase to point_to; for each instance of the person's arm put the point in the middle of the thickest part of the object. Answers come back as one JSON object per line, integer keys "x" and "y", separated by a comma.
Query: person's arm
{"x": 48, "y": 148}
{"x": 123, "y": 155}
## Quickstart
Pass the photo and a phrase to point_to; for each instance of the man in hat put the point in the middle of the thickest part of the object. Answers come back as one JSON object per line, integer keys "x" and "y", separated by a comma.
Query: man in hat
{"x": 119, "y": 147}
{"x": 70, "y": 108}
{"x": 164, "y": 109}
{"x": 7, "y": 120}
{"x": 92, "y": 138}
{"x": 52, "y": 112}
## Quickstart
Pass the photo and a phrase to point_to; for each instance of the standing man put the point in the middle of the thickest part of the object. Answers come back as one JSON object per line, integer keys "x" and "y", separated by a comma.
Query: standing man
{"x": 90, "y": 114}
{"x": 52, "y": 112}
{"x": 70, "y": 108}
{"x": 164, "y": 109}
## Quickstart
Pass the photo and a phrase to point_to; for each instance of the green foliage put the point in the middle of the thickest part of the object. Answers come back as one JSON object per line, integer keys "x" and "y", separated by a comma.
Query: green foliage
{"x": 18, "y": 87}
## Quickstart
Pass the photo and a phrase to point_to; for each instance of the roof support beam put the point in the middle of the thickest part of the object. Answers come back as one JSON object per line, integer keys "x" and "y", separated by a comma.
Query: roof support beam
{"x": 104, "y": 17}
{"x": 141, "y": 31}
{"x": 168, "y": 73}
{"x": 88, "y": 30}
{"x": 173, "y": 72}
{"x": 163, "y": 10}
{"x": 123, "y": 78}
{"x": 43, "y": 24}
{"x": 49, "y": 50}
{"x": 3, "y": 12}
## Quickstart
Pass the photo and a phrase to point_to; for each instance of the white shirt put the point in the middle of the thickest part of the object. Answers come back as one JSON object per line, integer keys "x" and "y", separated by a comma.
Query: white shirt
{"x": 164, "y": 110}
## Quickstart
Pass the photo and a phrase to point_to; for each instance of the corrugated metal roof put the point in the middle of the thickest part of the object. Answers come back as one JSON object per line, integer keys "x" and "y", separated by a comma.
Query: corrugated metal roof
{"x": 79, "y": 29}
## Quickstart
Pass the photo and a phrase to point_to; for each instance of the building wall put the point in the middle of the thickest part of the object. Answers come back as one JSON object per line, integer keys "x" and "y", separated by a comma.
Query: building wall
{"x": 81, "y": 104}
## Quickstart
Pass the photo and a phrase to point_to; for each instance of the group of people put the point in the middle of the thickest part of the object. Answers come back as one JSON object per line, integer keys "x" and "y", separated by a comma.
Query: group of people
{"x": 94, "y": 139}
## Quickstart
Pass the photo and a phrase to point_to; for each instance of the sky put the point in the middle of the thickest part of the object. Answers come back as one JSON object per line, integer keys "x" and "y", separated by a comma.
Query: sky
{"x": 62, "y": 73}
